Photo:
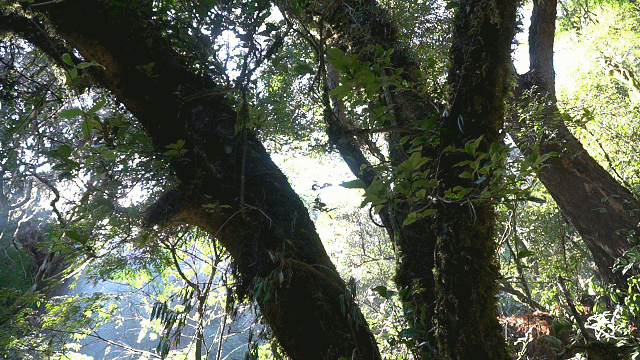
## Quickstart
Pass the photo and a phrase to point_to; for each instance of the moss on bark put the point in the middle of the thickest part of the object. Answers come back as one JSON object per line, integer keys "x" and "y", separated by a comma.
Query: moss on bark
{"x": 466, "y": 269}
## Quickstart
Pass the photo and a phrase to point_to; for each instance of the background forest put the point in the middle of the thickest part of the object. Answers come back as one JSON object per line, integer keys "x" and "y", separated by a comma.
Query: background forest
{"x": 455, "y": 191}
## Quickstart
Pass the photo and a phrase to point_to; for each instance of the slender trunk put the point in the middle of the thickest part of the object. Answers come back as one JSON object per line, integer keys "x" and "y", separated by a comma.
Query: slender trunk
{"x": 603, "y": 211}
{"x": 414, "y": 244}
{"x": 202, "y": 301}
{"x": 278, "y": 255}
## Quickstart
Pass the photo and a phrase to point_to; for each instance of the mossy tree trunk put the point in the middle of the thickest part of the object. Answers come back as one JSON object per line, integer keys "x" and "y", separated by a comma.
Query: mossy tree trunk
{"x": 264, "y": 225}
{"x": 604, "y": 212}
{"x": 466, "y": 268}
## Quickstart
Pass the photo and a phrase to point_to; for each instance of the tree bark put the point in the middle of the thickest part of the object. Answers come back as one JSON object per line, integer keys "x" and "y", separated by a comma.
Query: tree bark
{"x": 279, "y": 257}
{"x": 603, "y": 211}
{"x": 466, "y": 268}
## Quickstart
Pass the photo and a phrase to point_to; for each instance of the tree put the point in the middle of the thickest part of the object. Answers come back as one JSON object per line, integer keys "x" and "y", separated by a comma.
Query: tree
{"x": 602, "y": 210}
{"x": 272, "y": 239}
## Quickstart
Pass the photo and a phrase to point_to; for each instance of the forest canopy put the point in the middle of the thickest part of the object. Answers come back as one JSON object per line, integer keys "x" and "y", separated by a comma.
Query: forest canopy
{"x": 343, "y": 179}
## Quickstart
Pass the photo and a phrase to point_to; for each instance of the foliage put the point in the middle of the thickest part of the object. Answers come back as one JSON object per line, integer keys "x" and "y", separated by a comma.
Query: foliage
{"x": 540, "y": 246}
{"x": 603, "y": 109}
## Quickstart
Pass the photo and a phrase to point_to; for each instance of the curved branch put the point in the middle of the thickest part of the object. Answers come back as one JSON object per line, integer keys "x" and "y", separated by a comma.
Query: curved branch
{"x": 56, "y": 198}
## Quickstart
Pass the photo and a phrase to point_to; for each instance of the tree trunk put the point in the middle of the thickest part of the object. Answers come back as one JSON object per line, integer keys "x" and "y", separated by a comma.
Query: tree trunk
{"x": 466, "y": 268}
{"x": 414, "y": 244}
{"x": 603, "y": 211}
{"x": 280, "y": 259}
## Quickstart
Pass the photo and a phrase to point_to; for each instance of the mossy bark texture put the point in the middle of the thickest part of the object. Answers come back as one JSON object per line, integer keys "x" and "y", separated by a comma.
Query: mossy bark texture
{"x": 466, "y": 269}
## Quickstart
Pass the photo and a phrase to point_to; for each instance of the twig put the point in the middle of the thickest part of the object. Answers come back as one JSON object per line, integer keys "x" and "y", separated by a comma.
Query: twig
{"x": 55, "y": 199}
{"x": 569, "y": 299}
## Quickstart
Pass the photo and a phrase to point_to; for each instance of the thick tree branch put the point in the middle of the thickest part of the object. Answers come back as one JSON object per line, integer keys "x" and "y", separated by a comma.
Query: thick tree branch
{"x": 506, "y": 287}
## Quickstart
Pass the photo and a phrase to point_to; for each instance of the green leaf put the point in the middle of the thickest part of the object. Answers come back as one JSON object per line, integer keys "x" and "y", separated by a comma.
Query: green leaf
{"x": 494, "y": 148}
{"x": 67, "y": 59}
{"x": 461, "y": 191}
{"x": 383, "y": 291}
{"x": 411, "y": 218}
{"x": 109, "y": 154}
{"x": 87, "y": 128}
{"x": 341, "y": 91}
{"x": 296, "y": 7}
{"x": 336, "y": 54}
{"x": 615, "y": 298}
{"x": 463, "y": 163}
{"x": 177, "y": 145}
{"x": 417, "y": 160}
{"x": 300, "y": 68}
{"x": 466, "y": 175}
{"x": 471, "y": 146}
{"x": 536, "y": 200}
{"x": 64, "y": 151}
{"x": 96, "y": 123}
{"x": 354, "y": 184}
{"x": 561, "y": 325}
{"x": 71, "y": 113}
{"x": 524, "y": 254}
{"x": 81, "y": 238}
{"x": 73, "y": 73}
{"x": 428, "y": 212}
{"x": 99, "y": 104}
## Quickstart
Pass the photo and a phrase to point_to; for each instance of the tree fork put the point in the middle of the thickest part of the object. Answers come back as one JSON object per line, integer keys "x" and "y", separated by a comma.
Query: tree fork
{"x": 414, "y": 244}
